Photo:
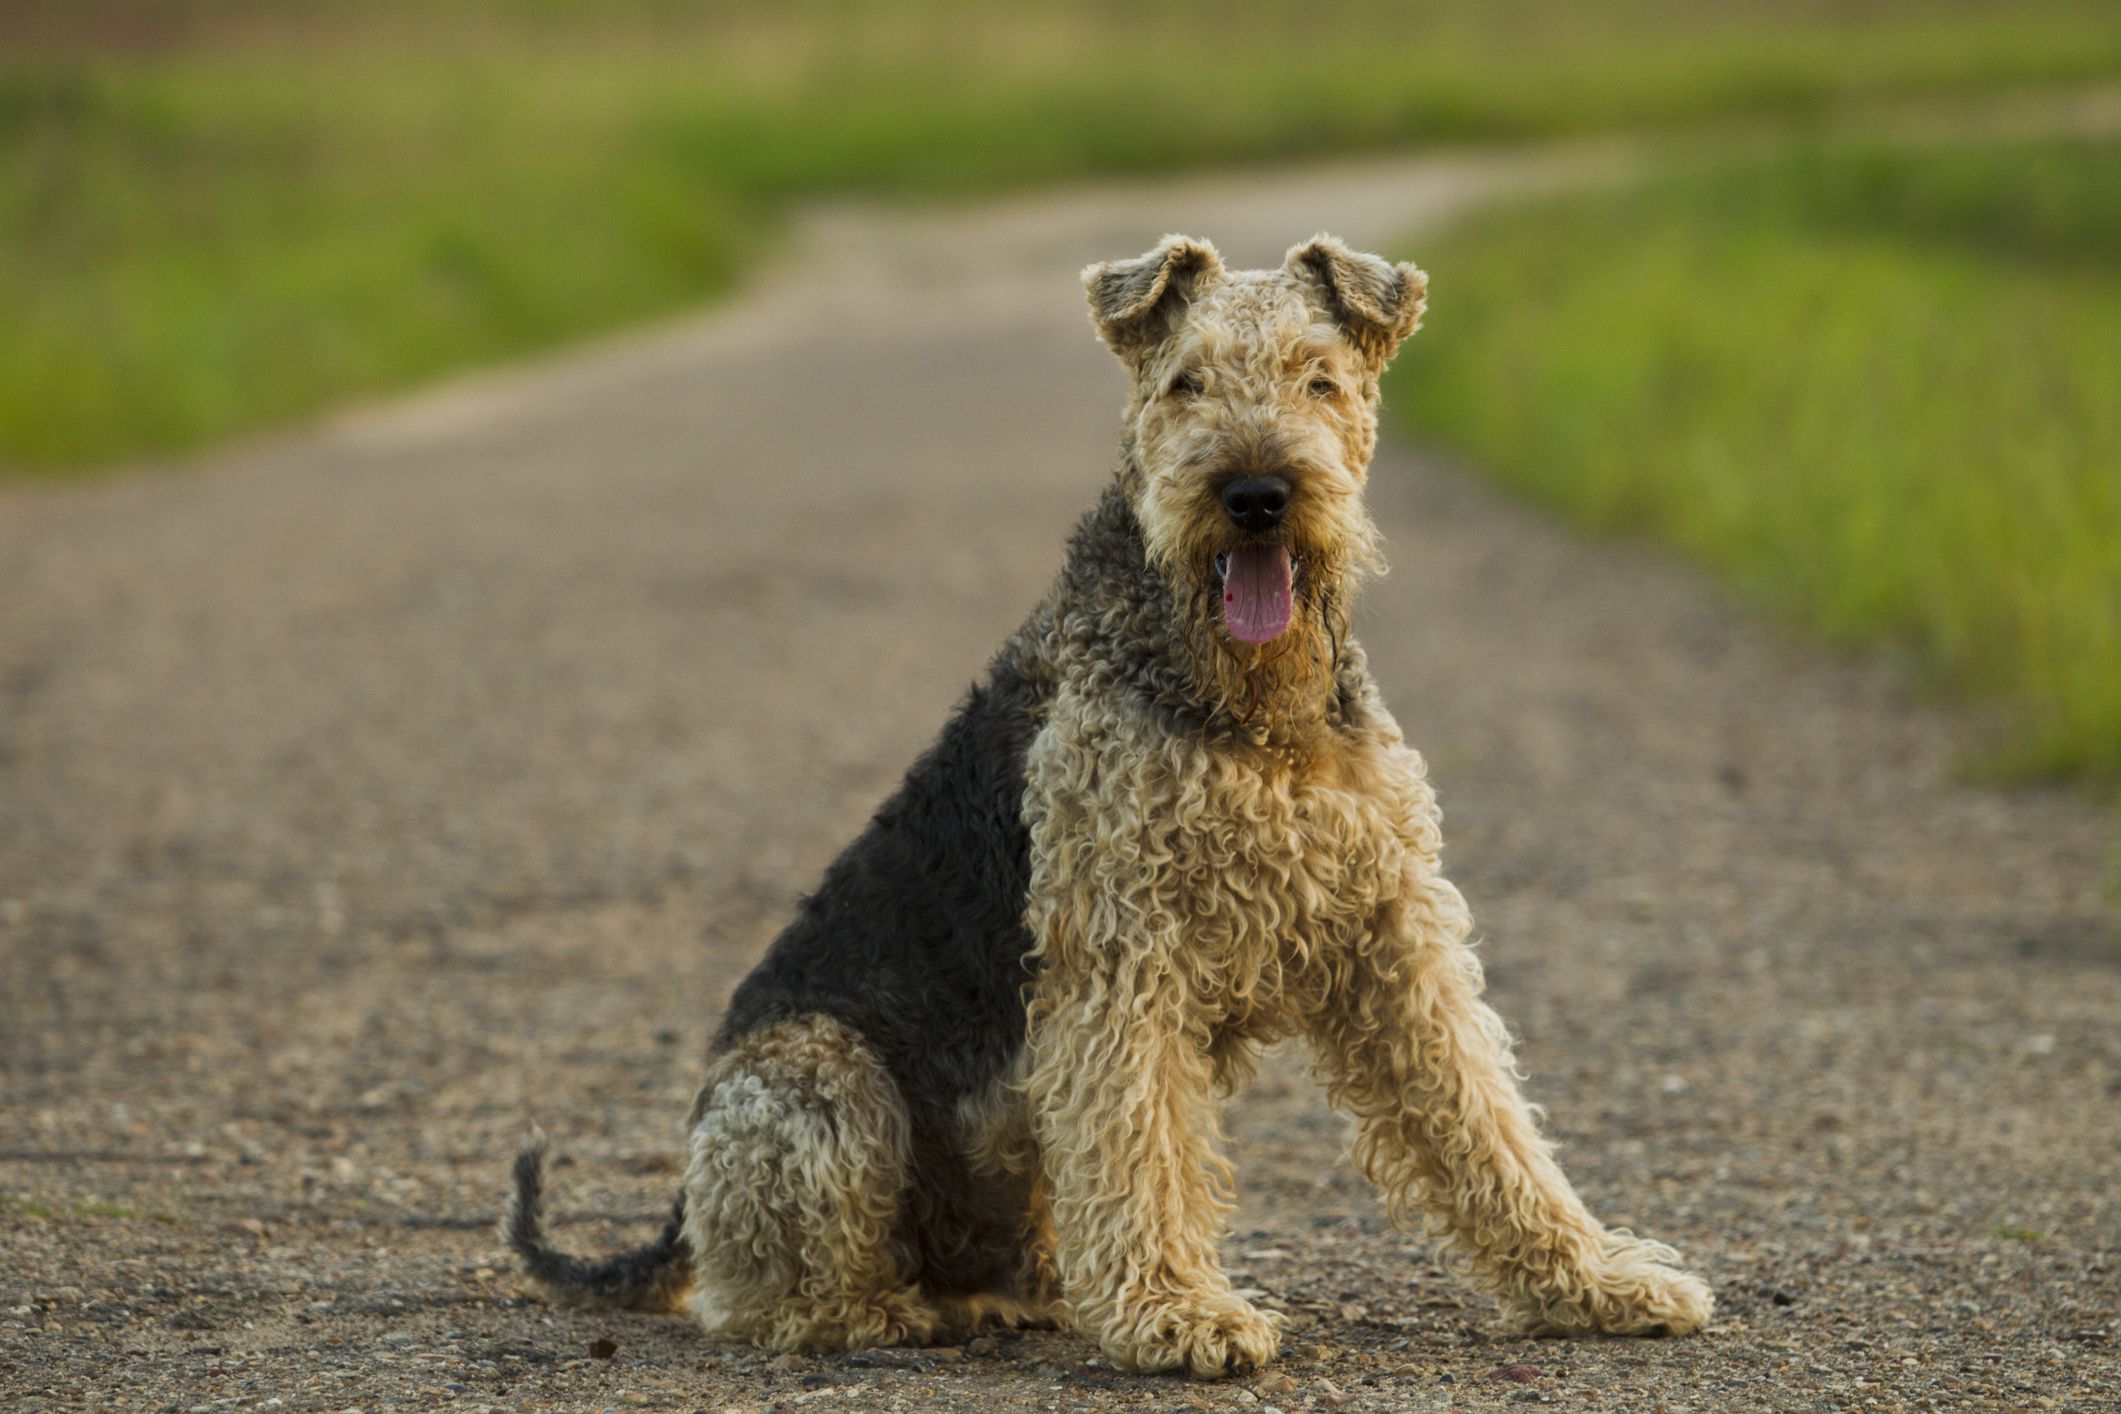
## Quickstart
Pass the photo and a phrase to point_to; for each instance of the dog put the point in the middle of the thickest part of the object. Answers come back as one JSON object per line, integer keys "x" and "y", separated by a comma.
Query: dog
{"x": 976, "y": 1081}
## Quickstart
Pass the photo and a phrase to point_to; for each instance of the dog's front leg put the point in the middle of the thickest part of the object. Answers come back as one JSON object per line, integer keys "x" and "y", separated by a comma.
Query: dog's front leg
{"x": 1409, "y": 1048}
{"x": 1121, "y": 1091}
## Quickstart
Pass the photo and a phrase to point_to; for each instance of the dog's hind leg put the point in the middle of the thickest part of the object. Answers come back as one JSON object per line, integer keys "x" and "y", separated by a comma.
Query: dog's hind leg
{"x": 1020, "y": 1290}
{"x": 797, "y": 1175}
{"x": 1000, "y": 1236}
{"x": 1412, "y": 1052}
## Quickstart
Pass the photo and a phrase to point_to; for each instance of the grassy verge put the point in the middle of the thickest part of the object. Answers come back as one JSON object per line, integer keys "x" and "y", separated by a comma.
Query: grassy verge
{"x": 217, "y": 215}
{"x": 1880, "y": 390}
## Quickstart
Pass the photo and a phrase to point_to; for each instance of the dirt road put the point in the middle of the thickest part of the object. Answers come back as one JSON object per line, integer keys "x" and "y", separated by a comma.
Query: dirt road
{"x": 374, "y": 792}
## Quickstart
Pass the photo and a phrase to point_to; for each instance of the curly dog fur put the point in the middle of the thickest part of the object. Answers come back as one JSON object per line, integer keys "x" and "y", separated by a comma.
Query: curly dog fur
{"x": 977, "y": 1079}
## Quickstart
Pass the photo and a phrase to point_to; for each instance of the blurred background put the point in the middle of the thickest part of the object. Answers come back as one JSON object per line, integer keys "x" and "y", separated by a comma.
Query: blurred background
{"x": 1869, "y": 376}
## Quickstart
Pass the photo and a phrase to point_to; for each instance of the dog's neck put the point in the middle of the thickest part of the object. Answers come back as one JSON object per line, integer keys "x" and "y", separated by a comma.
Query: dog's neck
{"x": 1173, "y": 639}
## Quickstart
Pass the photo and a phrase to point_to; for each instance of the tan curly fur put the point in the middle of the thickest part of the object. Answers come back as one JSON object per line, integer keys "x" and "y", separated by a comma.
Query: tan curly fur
{"x": 1220, "y": 845}
{"x": 792, "y": 1193}
{"x": 797, "y": 1174}
{"x": 1193, "y": 897}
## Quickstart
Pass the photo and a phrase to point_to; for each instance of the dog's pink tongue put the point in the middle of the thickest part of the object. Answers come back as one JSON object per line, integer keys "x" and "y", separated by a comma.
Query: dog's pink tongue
{"x": 1256, "y": 597}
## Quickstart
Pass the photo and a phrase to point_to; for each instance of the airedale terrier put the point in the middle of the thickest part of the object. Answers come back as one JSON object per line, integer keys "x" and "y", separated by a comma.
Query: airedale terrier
{"x": 977, "y": 1079}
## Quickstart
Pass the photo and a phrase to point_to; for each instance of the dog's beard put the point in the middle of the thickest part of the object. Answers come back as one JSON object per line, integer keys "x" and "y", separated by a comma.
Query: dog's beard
{"x": 1260, "y": 641}
{"x": 1265, "y": 651}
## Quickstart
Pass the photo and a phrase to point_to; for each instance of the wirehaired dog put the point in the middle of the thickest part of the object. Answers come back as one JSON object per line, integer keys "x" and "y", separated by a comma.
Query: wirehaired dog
{"x": 977, "y": 1078}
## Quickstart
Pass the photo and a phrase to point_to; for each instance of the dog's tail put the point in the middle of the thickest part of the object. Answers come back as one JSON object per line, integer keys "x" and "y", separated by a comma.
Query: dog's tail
{"x": 651, "y": 1278}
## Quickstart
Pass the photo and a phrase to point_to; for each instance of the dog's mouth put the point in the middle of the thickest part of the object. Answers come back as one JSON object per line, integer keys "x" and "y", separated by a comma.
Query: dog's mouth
{"x": 1259, "y": 591}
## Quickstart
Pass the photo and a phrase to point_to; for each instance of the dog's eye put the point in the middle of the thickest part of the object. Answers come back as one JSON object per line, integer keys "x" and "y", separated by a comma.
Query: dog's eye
{"x": 1185, "y": 385}
{"x": 1324, "y": 388}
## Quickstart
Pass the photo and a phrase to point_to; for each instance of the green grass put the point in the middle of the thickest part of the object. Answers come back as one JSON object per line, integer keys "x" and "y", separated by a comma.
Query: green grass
{"x": 1879, "y": 390}
{"x": 217, "y": 216}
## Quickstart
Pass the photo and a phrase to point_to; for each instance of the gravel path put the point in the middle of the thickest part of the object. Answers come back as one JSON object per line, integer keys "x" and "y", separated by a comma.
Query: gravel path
{"x": 369, "y": 794}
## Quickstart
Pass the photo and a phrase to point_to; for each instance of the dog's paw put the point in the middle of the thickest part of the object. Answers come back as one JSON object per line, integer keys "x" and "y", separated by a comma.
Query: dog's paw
{"x": 1652, "y": 1299}
{"x": 1211, "y": 1339}
{"x": 1631, "y": 1287}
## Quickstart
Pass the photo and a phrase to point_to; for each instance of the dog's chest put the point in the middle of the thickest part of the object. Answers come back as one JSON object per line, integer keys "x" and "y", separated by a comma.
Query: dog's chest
{"x": 1240, "y": 869}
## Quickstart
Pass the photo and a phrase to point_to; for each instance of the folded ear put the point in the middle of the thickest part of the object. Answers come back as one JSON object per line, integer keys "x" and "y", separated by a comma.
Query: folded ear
{"x": 1375, "y": 302}
{"x": 1138, "y": 303}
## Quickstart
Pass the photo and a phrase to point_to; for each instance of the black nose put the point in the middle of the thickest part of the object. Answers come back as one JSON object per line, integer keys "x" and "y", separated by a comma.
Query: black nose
{"x": 1255, "y": 503}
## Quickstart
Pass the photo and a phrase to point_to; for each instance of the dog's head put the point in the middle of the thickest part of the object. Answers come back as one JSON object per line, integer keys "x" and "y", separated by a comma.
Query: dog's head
{"x": 1251, "y": 425}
